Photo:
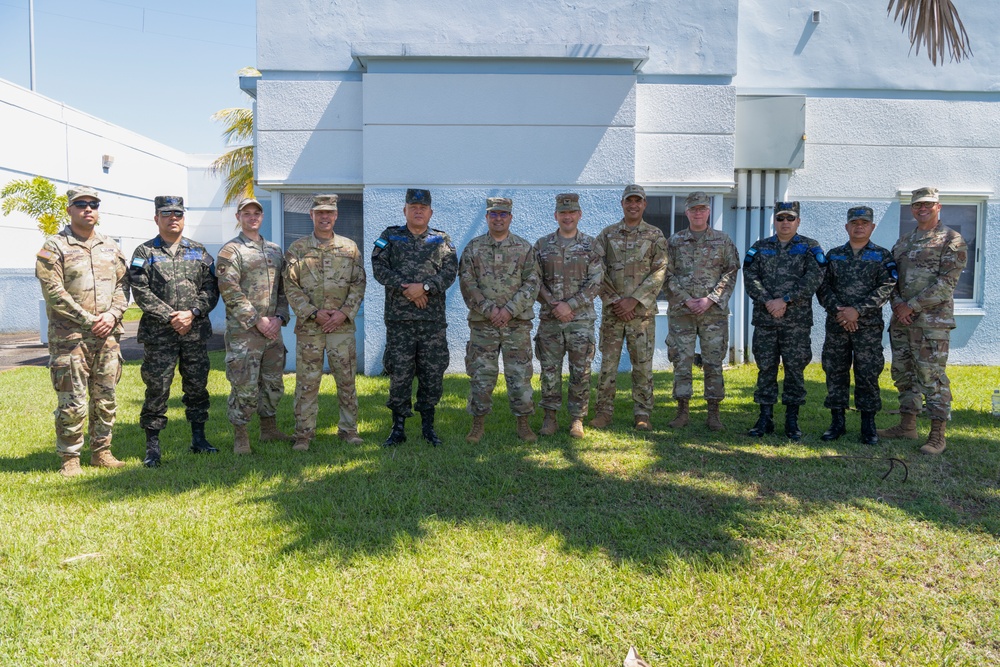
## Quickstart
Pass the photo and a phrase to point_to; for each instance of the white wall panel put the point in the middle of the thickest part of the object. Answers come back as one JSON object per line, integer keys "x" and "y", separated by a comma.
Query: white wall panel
{"x": 306, "y": 158}
{"x": 308, "y": 105}
{"x": 678, "y": 158}
{"x": 685, "y": 109}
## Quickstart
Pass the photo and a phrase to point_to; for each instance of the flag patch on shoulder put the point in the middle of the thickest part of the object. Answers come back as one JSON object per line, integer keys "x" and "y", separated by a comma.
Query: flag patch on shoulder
{"x": 44, "y": 254}
{"x": 138, "y": 262}
{"x": 381, "y": 243}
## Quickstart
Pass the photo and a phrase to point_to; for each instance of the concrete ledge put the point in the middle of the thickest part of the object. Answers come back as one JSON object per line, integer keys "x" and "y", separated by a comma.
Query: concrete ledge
{"x": 363, "y": 52}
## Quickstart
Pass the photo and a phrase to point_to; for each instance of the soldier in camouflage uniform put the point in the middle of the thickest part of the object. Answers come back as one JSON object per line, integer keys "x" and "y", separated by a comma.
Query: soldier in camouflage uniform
{"x": 781, "y": 273}
{"x": 82, "y": 275}
{"x": 930, "y": 260}
{"x": 702, "y": 275}
{"x": 325, "y": 281}
{"x": 635, "y": 262}
{"x": 249, "y": 271}
{"x": 860, "y": 276}
{"x": 571, "y": 271}
{"x": 173, "y": 281}
{"x": 498, "y": 275}
{"x": 417, "y": 265}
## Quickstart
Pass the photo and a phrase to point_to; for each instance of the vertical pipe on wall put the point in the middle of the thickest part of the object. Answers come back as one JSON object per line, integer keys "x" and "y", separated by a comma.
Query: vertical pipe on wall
{"x": 782, "y": 193}
{"x": 717, "y": 212}
{"x": 755, "y": 209}
{"x": 738, "y": 333}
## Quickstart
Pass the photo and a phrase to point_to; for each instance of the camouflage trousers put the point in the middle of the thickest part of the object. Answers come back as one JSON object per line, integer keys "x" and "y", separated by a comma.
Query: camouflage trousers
{"x": 158, "y": 363}
{"x": 555, "y": 340}
{"x": 862, "y": 350}
{"x": 254, "y": 367}
{"x": 486, "y": 344}
{"x": 919, "y": 358}
{"x": 78, "y": 367}
{"x": 792, "y": 348}
{"x": 640, "y": 336}
{"x": 341, "y": 352}
{"x": 415, "y": 348}
{"x": 713, "y": 331}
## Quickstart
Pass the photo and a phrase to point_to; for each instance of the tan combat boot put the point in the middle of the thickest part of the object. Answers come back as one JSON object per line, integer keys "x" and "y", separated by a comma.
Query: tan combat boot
{"x": 549, "y": 425}
{"x": 524, "y": 431}
{"x": 642, "y": 423}
{"x": 576, "y": 428}
{"x": 101, "y": 457}
{"x": 936, "y": 442}
{"x": 683, "y": 414}
{"x": 714, "y": 423}
{"x": 601, "y": 420}
{"x": 477, "y": 430}
{"x": 241, "y": 441}
{"x": 350, "y": 437}
{"x": 70, "y": 465}
{"x": 906, "y": 428}
{"x": 301, "y": 443}
{"x": 269, "y": 431}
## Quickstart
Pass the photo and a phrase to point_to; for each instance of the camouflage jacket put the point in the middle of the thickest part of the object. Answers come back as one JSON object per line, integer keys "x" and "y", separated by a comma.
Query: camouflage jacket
{"x": 324, "y": 274}
{"x": 400, "y": 257}
{"x": 930, "y": 264}
{"x": 773, "y": 272}
{"x": 863, "y": 281}
{"x": 163, "y": 283}
{"x": 570, "y": 273}
{"x": 635, "y": 262}
{"x": 250, "y": 282}
{"x": 502, "y": 274}
{"x": 81, "y": 280}
{"x": 699, "y": 268}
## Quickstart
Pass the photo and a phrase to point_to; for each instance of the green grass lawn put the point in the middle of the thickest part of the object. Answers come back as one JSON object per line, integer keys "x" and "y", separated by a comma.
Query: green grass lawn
{"x": 699, "y": 549}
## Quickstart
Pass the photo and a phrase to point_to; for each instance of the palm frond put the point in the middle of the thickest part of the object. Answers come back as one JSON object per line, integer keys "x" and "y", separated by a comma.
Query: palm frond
{"x": 238, "y": 123}
{"x": 935, "y": 23}
{"x": 236, "y": 168}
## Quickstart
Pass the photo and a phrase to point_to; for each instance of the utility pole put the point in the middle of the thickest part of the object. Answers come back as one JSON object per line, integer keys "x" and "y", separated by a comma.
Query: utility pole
{"x": 31, "y": 42}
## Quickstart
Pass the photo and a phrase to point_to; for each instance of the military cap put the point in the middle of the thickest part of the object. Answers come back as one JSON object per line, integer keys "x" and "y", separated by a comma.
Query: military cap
{"x": 499, "y": 204}
{"x": 168, "y": 203}
{"x": 417, "y": 196}
{"x": 324, "y": 203}
{"x": 786, "y": 207}
{"x": 925, "y": 194}
{"x": 860, "y": 213}
{"x": 633, "y": 190}
{"x": 246, "y": 202}
{"x": 567, "y": 201}
{"x": 698, "y": 198}
{"x": 80, "y": 191}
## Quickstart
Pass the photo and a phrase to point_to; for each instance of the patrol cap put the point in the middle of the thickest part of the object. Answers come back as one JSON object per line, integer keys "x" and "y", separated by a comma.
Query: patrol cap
{"x": 697, "y": 198}
{"x": 567, "y": 201}
{"x": 246, "y": 202}
{"x": 499, "y": 204}
{"x": 168, "y": 203}
{"x": 324, "y": 203}
{"x": 80, "y": 191}
{"x": 786, "y": 207}
{"x": 417, "y": 196}
{"x": 925, "y": 194}
{"x": 633, "y": 190}
{"x": 860, "y": 213}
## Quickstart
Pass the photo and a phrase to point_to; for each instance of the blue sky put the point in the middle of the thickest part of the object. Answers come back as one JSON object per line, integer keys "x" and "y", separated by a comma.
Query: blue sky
{"x": 158, "y": 68}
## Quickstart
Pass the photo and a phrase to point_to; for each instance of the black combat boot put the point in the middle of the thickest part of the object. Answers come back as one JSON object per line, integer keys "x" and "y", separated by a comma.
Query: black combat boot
{"x": 199, "y": 445}
{"x": 152, "y": 459}
{"x": 869, "y": 432}
{"x": 765, "y": 423}
{"x": 398, "y": 432}
{"x": 427, "y": 427}
{"x": 792, "y": 429}
{"x": 837, "y": 425}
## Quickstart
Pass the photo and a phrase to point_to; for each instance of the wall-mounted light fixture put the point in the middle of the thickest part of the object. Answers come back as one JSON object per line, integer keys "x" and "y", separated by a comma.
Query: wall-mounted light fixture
{"x": 815, "y": 16}
{"x": 106, "y": 162}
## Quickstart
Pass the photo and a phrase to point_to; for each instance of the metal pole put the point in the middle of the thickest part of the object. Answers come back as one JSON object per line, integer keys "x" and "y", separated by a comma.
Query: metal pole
{"x": 31, "y": 42}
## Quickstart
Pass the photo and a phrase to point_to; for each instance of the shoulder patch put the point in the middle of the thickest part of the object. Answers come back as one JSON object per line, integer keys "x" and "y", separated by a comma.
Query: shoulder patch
{"x": 138, "y": 262}
{"x": 44, "y": 254}
{"x": 226, "y": 253}
{"x": 750, "y": 255}
{"x": 817, "y": 252}
{"x": 381, "y": 243}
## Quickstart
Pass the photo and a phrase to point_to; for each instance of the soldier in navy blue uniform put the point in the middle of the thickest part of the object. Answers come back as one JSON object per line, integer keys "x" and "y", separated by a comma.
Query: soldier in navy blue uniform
{"x": 860, "y": 277}
{"x": 781, "y": 273}
{"x": 417, "y": 265}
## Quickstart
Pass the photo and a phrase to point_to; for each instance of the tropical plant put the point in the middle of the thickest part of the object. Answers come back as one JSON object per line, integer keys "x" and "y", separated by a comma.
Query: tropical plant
{"x": 236, "y": 164}
{"x": 36, "y": 197}
{"x": 936, "y": 23}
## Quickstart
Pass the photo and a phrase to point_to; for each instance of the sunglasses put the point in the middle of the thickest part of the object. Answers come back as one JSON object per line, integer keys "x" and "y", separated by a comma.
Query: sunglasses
{"x": 494, "y": 215}
{"x": 172, "y": 214}
{"x": 86, "y": 204}
{"x": 785, "y": 218}
{"x": 923, "y": 204}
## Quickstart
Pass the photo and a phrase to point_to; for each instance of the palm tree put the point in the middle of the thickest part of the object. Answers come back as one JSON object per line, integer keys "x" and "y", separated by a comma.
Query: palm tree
{"x": 236, "y": 165}
{"x": 38, "y": 198}
{"x": 936, "y": 23}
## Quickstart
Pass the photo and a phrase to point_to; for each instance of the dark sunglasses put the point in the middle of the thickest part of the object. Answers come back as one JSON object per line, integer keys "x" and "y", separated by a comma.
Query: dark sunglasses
{"x": 172, "y": 214}
{"x": 785, "y": 218}
{"x": 86, "y": 204}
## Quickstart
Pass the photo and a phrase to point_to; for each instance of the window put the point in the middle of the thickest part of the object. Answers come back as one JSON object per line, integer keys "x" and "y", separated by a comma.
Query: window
{"x": 667, "y": 213}
{"x": 965, "y": 217}
{"x": 297, "y": 223}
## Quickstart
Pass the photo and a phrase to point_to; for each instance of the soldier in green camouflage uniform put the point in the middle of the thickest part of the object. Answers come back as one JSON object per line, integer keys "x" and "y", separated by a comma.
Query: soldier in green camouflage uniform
{"x": 702, "y": 275}
{"x": 930, "y": 260}
{"x": 173, "y": 281}
{"x": 860, "y": 276}
{"x": 82, "y": 275}
{"x": 498, "y": 276}
{"x": 571, "y": 273}
{"x": 781, "y": 274}
{"x": 417, "y": 265}
{"x": 325, "y": 282}
{"x": 635, "y": 262}
{"x": 249, "y": 271}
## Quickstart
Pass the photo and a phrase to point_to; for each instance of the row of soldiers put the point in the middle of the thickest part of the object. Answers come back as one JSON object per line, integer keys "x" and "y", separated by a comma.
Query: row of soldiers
{"x": 86, "y": 283}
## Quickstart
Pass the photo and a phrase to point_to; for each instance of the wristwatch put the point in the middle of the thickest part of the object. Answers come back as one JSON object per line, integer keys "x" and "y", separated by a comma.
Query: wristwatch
{"x": 312, "y": 315}
{"x": 196, "y": 312}
{"x": 282, "y": 318}
{"x": 786, "y": 299}
{"x": 427, "y": 288}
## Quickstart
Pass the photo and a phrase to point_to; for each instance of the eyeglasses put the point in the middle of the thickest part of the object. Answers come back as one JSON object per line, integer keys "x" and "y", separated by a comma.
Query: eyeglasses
{"x": 498, "y": 215}
{"x": 923, "y": 204}
{"x": 172, "y": 214}
{"x": 785, "y": 218}
{"x": 86, "y": 204}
